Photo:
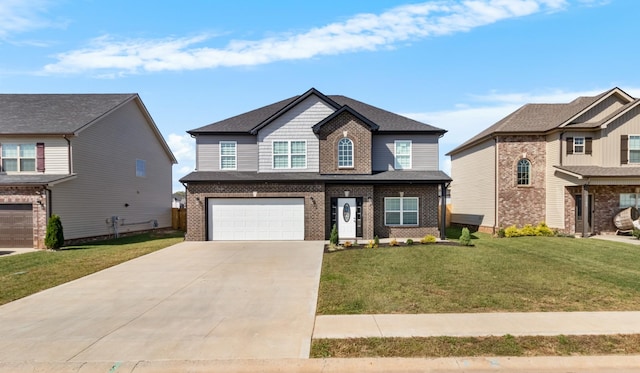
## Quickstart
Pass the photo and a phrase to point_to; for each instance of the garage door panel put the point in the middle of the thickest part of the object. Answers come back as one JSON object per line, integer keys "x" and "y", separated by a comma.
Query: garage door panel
{"x": 16, "y": 225}
{"x": 256, "y": 219}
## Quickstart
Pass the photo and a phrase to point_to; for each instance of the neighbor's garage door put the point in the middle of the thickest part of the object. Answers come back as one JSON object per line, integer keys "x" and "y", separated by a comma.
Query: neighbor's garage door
{"x": 16, "y": 225}
{"x": 238, "y": 219}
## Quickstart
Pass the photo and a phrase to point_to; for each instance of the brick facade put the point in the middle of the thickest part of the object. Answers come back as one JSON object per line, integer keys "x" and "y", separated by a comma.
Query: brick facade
{"x": 30, "y": 195}
{"x": 427, "y": 210}
{"x": 345, "y": 125}
{"x": 355, "y": 191}
{"x": 521, "y": 204}
{"x": 606, "y": 205}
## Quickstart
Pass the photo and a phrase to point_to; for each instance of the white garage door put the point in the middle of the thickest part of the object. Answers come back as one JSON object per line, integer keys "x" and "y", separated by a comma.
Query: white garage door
{"x": 239, "y": 219}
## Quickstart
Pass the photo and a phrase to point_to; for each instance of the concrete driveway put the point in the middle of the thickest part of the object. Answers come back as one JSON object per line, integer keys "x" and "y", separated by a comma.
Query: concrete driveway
{"x": 191, "y": 301}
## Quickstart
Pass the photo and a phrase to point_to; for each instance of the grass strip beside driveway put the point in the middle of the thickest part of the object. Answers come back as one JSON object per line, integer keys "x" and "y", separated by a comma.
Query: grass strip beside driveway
{"x": 524, "y": 274}
{"x": 26, "y": 274}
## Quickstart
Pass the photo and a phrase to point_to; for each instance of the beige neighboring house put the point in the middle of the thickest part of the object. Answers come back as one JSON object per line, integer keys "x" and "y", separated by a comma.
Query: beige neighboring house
{"x": 573, "y": 166}
{"x": 96, "y": 160}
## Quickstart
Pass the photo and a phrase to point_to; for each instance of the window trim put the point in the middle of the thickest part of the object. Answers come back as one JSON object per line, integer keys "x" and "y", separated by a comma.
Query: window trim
{"x": 235, "y": 155}
{"x": 583, "y": 145}
{"x": 289, "y": 155}
{"x": 19, "y": 158}
{"x": 141, "y": 171}
{"x": 629, "y": 149}
{"x": 402, "y": 211}
{"x": 351, "y": 155}
{"x": 528, "y": 172}
{"x": 397, "y": 165}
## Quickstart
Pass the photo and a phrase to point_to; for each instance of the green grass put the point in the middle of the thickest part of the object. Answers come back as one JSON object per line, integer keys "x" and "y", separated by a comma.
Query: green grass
{"x": 521, "y": 274}
{"x": 25, "y": 274}
{"x": 476, "y": 346}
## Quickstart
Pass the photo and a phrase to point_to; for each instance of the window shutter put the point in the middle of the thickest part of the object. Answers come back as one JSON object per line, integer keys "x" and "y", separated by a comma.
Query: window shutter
{"x": 1, "y": 170}
{"x": 40, "y": 157}
{"x": 588, "y": 145}
{"x": 569, "y": 145}
{"x": 334, "y": 212}
{"x": 624, "y": 149}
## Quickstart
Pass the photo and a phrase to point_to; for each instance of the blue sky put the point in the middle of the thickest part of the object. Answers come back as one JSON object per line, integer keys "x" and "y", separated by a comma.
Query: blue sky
{"x": 457, "y": 65}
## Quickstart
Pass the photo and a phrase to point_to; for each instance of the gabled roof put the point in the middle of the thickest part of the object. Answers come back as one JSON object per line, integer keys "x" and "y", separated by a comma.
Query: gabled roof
{"x": 372, "y": 126}
{"x": 252, "y": 121}
{"x": 54, "y": 114}
{"x": 34, "y": 180}
{"x": 541, "y": 118}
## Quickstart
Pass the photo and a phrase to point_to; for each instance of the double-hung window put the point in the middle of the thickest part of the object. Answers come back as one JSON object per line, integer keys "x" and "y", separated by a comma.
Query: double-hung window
{"x": 290, "y": 154}
{"x": 345, "y": 153}
{"x": 403, "y": 154}
{"x": 228, "y": 155}
{"x": 634, "y": 148}
{"x": 401, "y": 211}
{"x": 578, "y": 145}
{"x": 19, "y": 157}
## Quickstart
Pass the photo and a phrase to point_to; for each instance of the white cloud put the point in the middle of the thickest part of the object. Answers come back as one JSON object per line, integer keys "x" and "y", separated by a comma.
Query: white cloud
{"x": 183, "y": 148}
{"x": 18, "y": 16}
{"x": 362, "y": 32}
{"x": 482, "y": 111}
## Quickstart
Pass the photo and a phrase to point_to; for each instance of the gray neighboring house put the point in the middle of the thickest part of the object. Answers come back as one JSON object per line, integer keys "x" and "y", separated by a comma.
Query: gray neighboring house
{"x": 293, "y": 169}
{"x": 573, "y": 166}
{"x": 96, "y": 160}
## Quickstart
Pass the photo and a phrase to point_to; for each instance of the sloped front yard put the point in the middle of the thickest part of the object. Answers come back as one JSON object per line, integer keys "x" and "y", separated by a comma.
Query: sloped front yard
{"x": 523, "y": 274}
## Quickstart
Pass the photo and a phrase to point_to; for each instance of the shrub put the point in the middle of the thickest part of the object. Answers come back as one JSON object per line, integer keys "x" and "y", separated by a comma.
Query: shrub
{"x": 527, "y": 230}
{"x": 512, "y": 231}
{"x": 371, "y": 244}
{"x": 501, "y": 232}
{"x": 543, "y": 230}
{"x": 636, "y": 233}
{"x": 465, "y": 237}
{"x": 347, "y": 244}
{"x": 428, "y": 239}
{"x": 54, "y": 238}
{"x": 376, "y": 241}
{"x": 333, "y": 238}
{"x": 393, "y": 242}
{"x": 409, "y": 242}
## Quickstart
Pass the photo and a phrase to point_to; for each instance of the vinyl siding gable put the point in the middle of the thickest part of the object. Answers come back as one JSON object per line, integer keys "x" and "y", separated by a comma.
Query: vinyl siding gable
{"x": 627, "y": 124}
{"x": 208, "y": 152}
{"x": 424, "y": 152}
{"x": 56, "y": 154}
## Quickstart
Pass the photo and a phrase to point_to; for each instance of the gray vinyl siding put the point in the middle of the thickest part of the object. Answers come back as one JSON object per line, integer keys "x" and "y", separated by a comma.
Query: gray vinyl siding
{"x": 592, "y": 159}
{"x": 424, "y": 152}
{"x": 55, "y": 152}
{"x": 473, "y": 187}
{"x": 294, "y": 125}
{"x": 104, "y": 156}
{"x": 627, "y": 124}
{"x": 208, "y": 152}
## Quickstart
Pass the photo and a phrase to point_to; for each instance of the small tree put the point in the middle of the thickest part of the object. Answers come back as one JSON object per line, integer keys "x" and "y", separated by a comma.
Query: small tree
{"x": 465, "y": 237}
{"x": 333, "y": 239}
{"x": 54, "y": 239}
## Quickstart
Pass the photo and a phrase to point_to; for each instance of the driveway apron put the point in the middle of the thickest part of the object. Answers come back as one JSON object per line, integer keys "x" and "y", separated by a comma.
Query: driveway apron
{"x": 191, "y": 301}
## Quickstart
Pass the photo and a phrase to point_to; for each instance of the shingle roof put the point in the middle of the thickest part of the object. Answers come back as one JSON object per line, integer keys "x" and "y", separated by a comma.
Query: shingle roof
{"x": 15, "y": 180}
{"x": 597, "y": 171}
{"x": 386, "y": 120}
{"x": 54, "y": 113}
{"x": 396, "y": 177}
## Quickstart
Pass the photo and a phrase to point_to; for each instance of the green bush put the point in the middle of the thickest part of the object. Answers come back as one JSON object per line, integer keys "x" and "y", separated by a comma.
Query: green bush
{"x": 512, "y": 231}
{"x": 543, "y": 230}
{"x": 54, "y": 238}
{"x": 465, "y": 237}
{"x": 333, "y": 238}
{"x": 636, "y": 233}
{"x": 528, "y": 230}
{"x": 409, "y": 242}
{"x": 501, "y": 233}
{"x": 376, "y": 241}
{"x": 428, "y": 239}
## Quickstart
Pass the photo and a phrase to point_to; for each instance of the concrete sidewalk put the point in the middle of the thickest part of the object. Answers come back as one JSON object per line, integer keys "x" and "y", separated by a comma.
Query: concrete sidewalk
{"x": 477, "y": 324}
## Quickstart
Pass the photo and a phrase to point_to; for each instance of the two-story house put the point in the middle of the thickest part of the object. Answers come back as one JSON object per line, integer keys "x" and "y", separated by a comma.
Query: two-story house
{"x": 293, "y": 169}
{"x": 96, "y": 160}
{"x": 573, "y": 166}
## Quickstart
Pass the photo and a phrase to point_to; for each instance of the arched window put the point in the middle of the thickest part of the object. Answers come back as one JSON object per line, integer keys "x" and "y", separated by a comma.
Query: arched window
{"x": 345, "y": 152}
{"x": 524, "y": 172}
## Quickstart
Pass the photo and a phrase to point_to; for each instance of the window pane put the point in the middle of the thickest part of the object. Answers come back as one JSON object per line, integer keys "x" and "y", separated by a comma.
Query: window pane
{"x": 393, "y": 218}
{"x": 634, "y": 142}
{"x": 627, "y": 200}
{"x": 10, "y": 165}
{"x": 403, "y": 161}
{"x": 280, "y": 147}
{"x": 392, "y": 204}
{"x": 27, "y": 164}
{"x": 227, "y": 148}
{"x": 9, "y": 151}
{"x": 298, "y": 161}
{"x": 409, "y": 218}
{"x": 280, "y": 161}
{"x": 345, "y": 153}
{"x": 228, "y": 163}
{"x": 523, "y": 172}
{"x": 634, "y": 156}
{"x": 403, "y": 147}
{"x": 27, "y": 151}
{"x": 298, "y": 147}
{"x": 410, "y": 204}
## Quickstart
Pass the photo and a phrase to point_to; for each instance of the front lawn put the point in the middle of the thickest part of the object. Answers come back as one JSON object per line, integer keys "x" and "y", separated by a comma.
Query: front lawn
{"x": 25, "y": 274}
{"x": 523, "y": 274}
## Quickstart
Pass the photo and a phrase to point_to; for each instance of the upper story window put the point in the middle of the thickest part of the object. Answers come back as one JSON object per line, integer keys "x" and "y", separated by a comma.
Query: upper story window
{"x": 634, "y": 148}
{"x": 345, "y": 153}
{"x": 523, "y": 172}
{"x": 19, "y": 157}
{"x": 290, "y": 154}
{"x": 578, "y": 145}
{"x": 141, "y": 168}
{"x": 228, "y": 155}
{"x": 403, "y": 154}
{"x": 401, "y": 211}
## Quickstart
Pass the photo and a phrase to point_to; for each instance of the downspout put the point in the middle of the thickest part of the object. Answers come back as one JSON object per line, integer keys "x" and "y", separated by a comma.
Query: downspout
{"x": 496, "y": 186}
{"x": 70, "y": 164}
{"x": 560, "y": 155}
{"x": 443, "y": 210}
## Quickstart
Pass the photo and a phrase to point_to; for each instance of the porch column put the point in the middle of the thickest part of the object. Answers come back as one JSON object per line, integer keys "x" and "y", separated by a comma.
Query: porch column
{"x": 443, "y": 211}
{"x": 585, "y": 211}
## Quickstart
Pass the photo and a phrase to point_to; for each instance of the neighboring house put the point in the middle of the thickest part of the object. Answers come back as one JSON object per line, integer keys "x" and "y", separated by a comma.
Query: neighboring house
{"x": 96, "y": 160}
{"x": 573, "y": 166}
{"x": 293, "y": 169}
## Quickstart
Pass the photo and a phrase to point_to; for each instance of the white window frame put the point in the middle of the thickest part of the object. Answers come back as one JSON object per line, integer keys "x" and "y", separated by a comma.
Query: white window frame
{"x": 397, "y": 165}
{"x": 340, "y": 142}
{"x": 582, "y": 144}
{"x": 141, "y": 168}
{"x": 234, "y": 156}
{"x": 19, "y": 158}
{"x": 629, "y": 149}
{"x": 402, "y": 211}
{"x": 289, "y": 154}
{"x": 528, "y": 177}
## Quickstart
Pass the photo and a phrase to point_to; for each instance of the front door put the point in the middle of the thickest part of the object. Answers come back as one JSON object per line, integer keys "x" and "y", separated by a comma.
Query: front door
{"x": 580, "y": 215}
{"x": 346, "y": 217}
